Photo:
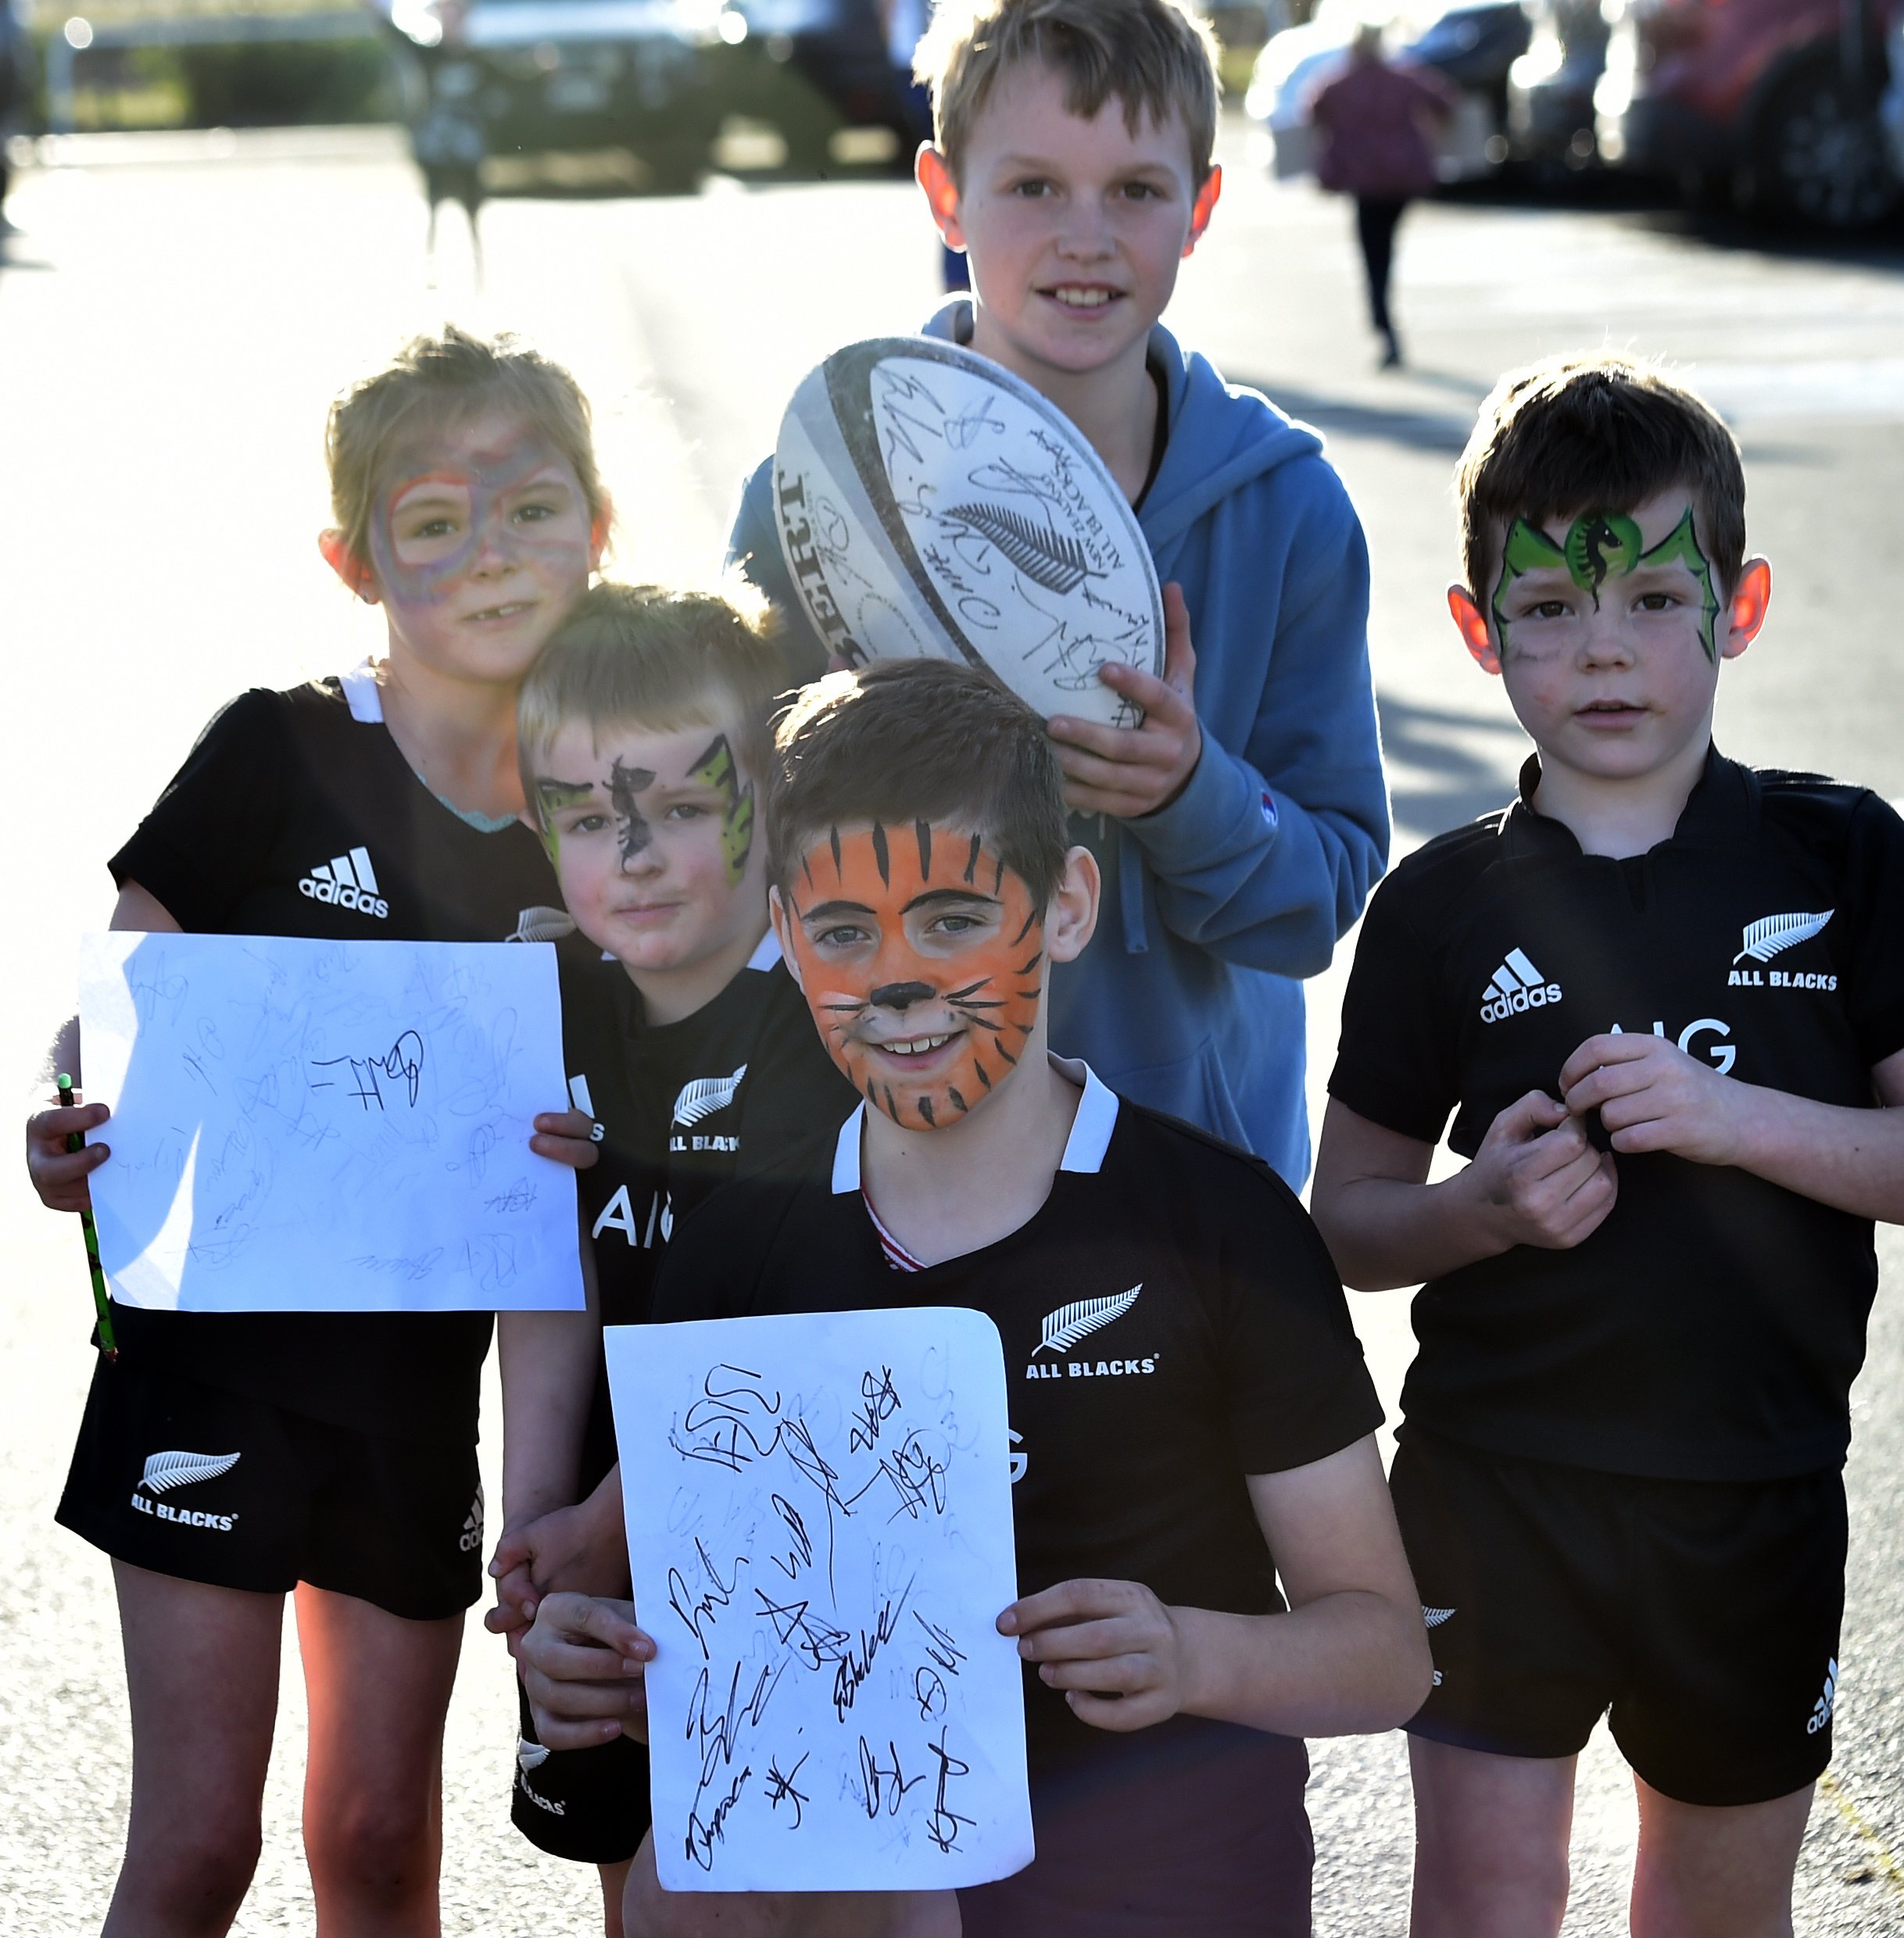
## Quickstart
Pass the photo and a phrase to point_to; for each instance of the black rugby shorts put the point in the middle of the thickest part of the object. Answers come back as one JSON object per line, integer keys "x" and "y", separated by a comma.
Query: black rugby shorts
{"x": 1701, "y": 1618}
{"x": 1196, "y": 1831}
{"x": 590, "y": 1806}
{"x": 206, "y": 1485}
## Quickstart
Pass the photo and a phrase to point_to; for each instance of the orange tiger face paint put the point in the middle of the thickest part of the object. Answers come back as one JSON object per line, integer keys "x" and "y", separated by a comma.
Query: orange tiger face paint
{"x": 921, "y": 956}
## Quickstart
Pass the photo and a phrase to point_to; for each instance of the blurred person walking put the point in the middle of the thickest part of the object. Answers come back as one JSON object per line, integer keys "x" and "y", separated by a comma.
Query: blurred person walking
{"x": 449, "y": 142}
{"x": 1373, "y": 126}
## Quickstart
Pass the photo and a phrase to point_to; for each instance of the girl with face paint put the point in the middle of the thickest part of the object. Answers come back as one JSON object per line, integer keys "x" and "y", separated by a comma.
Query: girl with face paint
{"x": 383, "y": 804}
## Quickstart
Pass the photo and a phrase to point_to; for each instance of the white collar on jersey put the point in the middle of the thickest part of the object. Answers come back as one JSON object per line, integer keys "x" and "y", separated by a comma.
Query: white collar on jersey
{"x": 361, "y": 694}
{"x": 1084, "y": 1149}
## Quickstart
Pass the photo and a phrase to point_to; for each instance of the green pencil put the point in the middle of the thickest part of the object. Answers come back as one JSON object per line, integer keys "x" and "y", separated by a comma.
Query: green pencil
{"x": 76, "y": 1140}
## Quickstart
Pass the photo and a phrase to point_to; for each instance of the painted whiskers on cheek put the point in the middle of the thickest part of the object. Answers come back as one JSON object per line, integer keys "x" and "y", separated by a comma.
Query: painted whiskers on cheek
{"x": 988, "y": 987}
{"x": 717, "y": 768}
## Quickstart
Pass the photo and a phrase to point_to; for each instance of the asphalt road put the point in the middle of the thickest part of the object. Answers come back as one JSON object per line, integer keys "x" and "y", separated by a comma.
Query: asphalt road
{"x": 174, "y": 317}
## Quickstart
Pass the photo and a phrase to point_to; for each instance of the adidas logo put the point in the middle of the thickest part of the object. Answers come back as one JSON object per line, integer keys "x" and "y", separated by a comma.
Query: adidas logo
{"x": 471, "y": 1537}
{"x": 1821, "y": 1710}
{"x": 349, "y": 881}
{"x": 578, "y": 1096}
{"x": 1516, "y": 986}
{"x": 702, "y": 1096}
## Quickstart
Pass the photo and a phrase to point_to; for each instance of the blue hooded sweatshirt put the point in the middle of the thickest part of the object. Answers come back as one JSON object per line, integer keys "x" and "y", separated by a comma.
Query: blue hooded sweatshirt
{"x": 1186, "y": 1000}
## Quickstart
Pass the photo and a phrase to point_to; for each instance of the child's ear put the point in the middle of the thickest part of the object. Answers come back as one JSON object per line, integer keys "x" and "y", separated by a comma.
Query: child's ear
{"x": 783, "y": 934}
{"x": 1471, "y": 622}
{"x": 1746, "y": 614}
{"x": 931, "y": 171}
{"x": 1071, "y": 916}
{"x": 1204, "y": 206}
{"x": 356, "y": 575}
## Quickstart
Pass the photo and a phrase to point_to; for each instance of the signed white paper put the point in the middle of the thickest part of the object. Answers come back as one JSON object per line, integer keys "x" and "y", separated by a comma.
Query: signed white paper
{"x": 819, "y": 1519}
{"x": 303, "y": 1126}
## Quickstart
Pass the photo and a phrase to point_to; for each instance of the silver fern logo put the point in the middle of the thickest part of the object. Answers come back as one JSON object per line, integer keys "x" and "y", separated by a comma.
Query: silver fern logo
{"x": 1053, "y": 559}
{"x": 541, "y": 925}
{"x": 1433, "y": 1618}
{"x": 164, "y": 1472}
{"x": 704, "y": 1096}
{"x": 1777, "y": 933}
{"x": 1063, "y": 1328}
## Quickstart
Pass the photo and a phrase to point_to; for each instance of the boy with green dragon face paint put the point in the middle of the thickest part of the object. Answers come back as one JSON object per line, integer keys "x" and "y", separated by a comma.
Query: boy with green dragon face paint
{"x": 1649, "y": 992}
{"x": 1603, "y": 544}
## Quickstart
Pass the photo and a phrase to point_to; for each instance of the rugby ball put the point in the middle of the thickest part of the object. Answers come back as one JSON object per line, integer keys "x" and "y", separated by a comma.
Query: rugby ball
{"x": 929, "y": 502}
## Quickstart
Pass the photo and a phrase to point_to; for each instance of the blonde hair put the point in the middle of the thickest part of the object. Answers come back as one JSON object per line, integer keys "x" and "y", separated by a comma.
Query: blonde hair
{"x": 1155, "y": 57}
{"x": 436, "y": 382}
{"x": 659, "y": 658}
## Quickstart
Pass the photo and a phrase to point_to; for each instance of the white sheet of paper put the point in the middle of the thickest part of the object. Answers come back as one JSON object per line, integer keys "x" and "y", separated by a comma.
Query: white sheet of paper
{"x": 819, "y": 1519}
{"x": 303, "y": 1126}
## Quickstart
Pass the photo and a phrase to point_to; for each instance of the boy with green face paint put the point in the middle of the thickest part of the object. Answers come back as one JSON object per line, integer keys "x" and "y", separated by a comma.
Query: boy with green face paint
{"x": 1600, "y": 543}
{"x": 1661, "y": 993}
{"x": 642, "y": 731}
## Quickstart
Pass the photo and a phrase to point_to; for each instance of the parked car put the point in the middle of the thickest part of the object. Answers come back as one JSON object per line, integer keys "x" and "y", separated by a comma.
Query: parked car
{"x": 1778, "y": 98}
{"x": 837, "y": 49}
{"x": 570, "y": 76}
{"x": 1550, "y": 88}
{"x": 1472, "y": 45}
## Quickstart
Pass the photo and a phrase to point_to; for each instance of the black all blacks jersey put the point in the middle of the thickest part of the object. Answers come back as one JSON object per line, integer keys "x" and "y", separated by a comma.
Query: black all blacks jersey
{"x": 1710, "y": 1329}
{"x": 679, "y": 1108}
{"x": 297, "y": 814}
{"x": 1172, "y": 1324}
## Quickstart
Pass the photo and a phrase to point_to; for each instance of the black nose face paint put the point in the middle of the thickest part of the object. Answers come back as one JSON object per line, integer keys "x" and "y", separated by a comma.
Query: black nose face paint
{"x": 633, "y": 832}
{"x": 900, "y": 996}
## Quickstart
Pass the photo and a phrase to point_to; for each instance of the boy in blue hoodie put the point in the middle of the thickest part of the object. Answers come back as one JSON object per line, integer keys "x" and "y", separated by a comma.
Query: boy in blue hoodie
{"x": 1240, "y": 829}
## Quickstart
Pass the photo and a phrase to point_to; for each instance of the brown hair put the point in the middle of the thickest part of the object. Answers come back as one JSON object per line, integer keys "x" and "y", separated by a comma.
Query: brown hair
{"x": 658, "y": 657}
{"x": 433, "y": 383}
{"x": 1154, "y": 55}
{"x": 905, "y": 740}
{"x": 1573, "y": 435}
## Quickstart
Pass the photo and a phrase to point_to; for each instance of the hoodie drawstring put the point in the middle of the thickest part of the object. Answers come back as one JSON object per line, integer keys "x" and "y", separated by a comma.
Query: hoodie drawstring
{"x": 1130, "y": 894}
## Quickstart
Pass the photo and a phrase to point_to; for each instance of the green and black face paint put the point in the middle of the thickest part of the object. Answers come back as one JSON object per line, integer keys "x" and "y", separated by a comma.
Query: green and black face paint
{"x": 716, "y": 767}
{"x": 551, "y": 797}
{"x": 1604, "y": 545}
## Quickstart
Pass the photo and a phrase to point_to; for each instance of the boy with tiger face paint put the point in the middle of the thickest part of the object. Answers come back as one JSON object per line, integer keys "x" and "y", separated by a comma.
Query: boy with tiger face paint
{"x": 921, "y": 954}
{"x": 921, "y": 887}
